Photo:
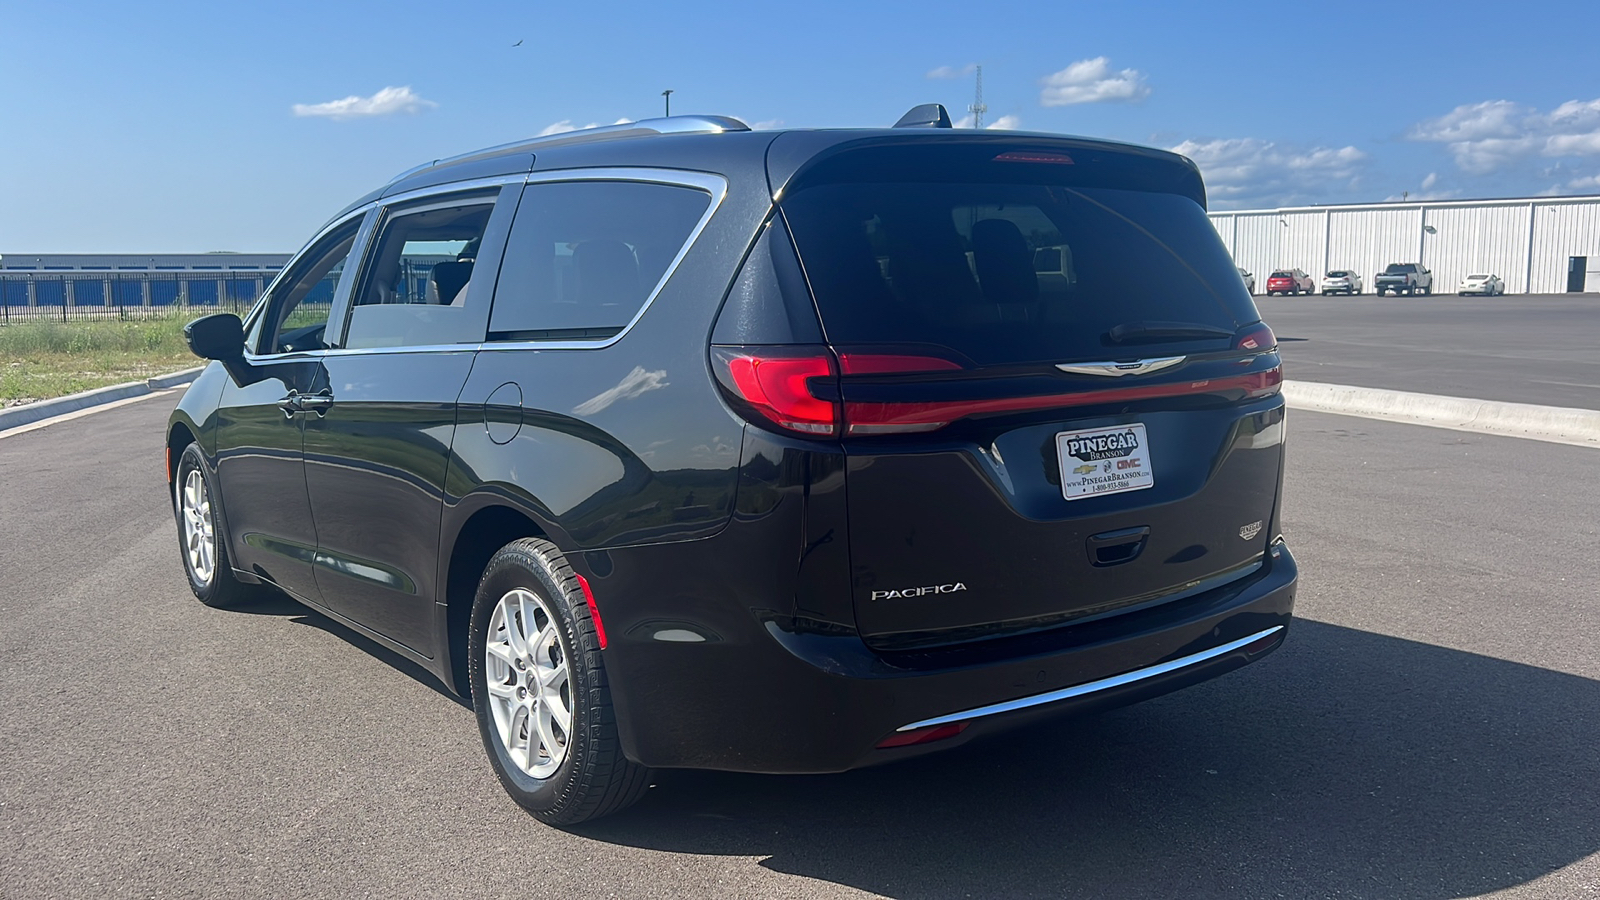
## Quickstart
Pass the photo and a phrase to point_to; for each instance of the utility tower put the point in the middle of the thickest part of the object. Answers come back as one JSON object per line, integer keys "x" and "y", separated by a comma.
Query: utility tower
{"x": 977, "y": 108}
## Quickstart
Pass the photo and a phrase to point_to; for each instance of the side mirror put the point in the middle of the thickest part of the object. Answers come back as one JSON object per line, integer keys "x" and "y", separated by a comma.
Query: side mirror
{"x": 219, "y": 336}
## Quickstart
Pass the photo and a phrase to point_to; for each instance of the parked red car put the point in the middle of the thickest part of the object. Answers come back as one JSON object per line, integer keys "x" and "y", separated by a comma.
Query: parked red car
{"x": 1290, "y": 281}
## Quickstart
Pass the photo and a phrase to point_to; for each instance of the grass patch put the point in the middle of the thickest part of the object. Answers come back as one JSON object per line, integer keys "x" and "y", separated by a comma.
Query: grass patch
{"x": 42, "y": 360}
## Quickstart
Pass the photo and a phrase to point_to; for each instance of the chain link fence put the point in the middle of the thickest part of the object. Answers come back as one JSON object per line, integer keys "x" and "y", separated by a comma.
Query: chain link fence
{"x": 31, "y": 296}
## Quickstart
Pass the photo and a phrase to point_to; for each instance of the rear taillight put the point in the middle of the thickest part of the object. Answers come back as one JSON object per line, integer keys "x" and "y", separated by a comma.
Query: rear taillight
{"x": 792, "y": 387}
{"x": 1257, "y": 338}
{"x": 776, "y": 383}
{"x": 891, "y": 364}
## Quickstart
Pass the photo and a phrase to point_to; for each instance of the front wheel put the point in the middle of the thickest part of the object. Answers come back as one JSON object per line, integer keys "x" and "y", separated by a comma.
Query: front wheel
{"x": 540, "y": 692}
{"x": 200, "y": 540}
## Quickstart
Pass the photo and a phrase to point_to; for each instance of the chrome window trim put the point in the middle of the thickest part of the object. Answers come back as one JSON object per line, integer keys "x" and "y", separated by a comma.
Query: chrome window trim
{"x": 1094, "y": 687}
{"x": 715, "y": 185}
{"x": 392, "y": 208}
{"x": 449, "y": 187}
{"x": 358, "y": 244}
{"x": 454, "y": 187}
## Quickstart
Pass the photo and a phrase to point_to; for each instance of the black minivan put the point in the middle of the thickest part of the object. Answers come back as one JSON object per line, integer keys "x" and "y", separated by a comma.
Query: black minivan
{"x": 677, "y": 444}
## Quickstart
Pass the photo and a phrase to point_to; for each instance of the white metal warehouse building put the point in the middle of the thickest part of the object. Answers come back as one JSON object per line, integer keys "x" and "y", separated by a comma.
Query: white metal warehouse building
{"x": 1537, "y": 245}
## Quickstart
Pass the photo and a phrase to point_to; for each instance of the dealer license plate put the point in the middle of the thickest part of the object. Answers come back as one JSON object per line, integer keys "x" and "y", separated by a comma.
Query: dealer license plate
{"x": 1104, "y": 461}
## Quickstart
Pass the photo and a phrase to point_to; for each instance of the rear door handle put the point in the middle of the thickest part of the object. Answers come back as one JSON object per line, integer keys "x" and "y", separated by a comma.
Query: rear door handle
{"x": 290, "y": 404}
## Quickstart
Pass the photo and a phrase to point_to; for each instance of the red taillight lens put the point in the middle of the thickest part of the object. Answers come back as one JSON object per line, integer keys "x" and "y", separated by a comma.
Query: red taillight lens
{"x": 776, "y": 382}
{"x": 891, "y": 364}
{"x": 1257, "y": 338}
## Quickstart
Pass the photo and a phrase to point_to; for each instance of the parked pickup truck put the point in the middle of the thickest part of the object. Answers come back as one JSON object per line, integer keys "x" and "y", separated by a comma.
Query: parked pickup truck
{"x": 1404, "y": 278}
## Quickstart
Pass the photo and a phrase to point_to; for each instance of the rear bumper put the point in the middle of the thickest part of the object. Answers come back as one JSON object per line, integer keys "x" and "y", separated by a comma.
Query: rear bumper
{"x": 782, "y": 700}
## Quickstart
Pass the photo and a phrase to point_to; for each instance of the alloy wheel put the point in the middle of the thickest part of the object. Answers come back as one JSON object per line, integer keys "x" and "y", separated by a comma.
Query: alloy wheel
{"x": 529, "y": 683}
{"x": 199, "y": 536}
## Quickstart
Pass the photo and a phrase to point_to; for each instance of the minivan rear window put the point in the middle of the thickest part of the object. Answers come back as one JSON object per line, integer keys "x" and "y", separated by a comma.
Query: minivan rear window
{"x": 1005, "y": 273}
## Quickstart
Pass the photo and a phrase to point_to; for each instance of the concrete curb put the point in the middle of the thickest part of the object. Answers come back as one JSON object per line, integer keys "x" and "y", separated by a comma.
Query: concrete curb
{"x": 46, "y": 409}
{"x": 1525, "y": 420}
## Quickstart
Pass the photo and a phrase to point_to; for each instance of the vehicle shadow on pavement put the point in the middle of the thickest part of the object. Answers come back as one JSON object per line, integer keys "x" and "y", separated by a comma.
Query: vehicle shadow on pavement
{"x": 272, "y": 603}
{"x": 1348, "y": 764}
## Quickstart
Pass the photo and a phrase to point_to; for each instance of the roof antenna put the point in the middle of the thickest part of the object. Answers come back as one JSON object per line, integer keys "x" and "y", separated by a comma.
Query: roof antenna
{"x": 977, "y": 108}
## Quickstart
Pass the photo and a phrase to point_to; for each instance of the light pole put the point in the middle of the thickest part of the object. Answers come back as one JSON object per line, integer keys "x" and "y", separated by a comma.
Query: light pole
{"x": 668, "y": 96}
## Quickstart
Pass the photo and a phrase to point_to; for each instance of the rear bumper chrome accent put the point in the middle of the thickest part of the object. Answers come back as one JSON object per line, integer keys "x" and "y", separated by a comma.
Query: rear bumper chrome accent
{"x": 1092, "y": 687}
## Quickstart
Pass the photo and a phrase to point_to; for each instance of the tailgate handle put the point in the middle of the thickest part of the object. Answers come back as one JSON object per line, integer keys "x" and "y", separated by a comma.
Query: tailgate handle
{"x": 1113, "y": 548}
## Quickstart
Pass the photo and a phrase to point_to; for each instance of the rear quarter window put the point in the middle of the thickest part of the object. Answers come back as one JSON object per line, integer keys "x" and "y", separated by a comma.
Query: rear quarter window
{"x": 583, "y": 257}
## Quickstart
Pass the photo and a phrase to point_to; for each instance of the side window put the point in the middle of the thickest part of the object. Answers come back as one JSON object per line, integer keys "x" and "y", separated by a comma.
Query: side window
{"x": 297, "y": 311}
{"x": 584, "y": 256}
{"x": 418, "y": 280}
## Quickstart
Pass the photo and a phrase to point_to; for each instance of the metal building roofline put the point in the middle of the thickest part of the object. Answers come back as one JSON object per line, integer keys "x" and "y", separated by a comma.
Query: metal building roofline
{"x": 1409, "y": 204}
{"x": 641, "y": 128}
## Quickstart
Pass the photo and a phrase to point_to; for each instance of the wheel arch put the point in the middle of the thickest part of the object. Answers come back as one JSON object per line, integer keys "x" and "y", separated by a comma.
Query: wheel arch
{"x": 492, "y": 525}
{"x": 180, "y": 434}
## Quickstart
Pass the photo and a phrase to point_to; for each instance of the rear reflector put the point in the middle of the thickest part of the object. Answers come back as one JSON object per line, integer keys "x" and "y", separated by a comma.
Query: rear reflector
{"x": 594, "y": 611}
{"x": 922, "y": 735}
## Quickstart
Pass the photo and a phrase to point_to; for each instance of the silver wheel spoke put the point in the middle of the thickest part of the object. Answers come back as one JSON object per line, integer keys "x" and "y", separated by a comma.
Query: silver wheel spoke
{"x": 502, "y": 652}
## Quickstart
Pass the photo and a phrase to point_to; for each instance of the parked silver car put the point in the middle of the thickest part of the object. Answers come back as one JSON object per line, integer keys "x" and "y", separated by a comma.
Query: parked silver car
{"x": 1485, "y": 284}
{"x": 1341, "y": 281}
{"x": 1249, "y": 280}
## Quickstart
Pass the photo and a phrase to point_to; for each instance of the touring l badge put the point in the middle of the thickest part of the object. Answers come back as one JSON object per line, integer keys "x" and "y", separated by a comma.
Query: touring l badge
{"x": 906, "y": 593}
{"x": 1251, "y": 530}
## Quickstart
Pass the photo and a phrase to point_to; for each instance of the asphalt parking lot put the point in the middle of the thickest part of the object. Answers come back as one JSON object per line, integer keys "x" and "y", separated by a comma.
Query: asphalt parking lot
{"x": 1430, "y": 730}
{"x": 1524, "y": 349}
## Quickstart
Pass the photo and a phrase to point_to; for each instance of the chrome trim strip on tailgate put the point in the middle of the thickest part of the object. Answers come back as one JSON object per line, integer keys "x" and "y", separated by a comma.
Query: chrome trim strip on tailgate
{"x": 1118, "y": 369}
{"x": 1093, "y": 687}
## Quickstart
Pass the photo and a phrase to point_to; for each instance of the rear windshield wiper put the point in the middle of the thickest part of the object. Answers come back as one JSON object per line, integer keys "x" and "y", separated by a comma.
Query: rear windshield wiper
{"x": 1155, "y": 332}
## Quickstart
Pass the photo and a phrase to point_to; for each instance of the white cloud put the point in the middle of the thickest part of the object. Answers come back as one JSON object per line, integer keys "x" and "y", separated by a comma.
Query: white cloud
{"x": 1092, "y": 81}
{"x": 1489, "y": 136}
{"x": 953, "y": 72}
{"x": 1586, "y": 183}
{"x": 565, "y": 125}
{"x": 1253, "y": 172}
{"x": 1006, "y": 123}
{"x": 387, "y": 102}
{"x": 767, "y": 124}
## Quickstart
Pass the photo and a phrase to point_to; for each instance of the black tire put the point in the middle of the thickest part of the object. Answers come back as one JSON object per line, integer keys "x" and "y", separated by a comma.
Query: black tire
{"x": 220, "y": 589}
{"x": 594, "y": 778}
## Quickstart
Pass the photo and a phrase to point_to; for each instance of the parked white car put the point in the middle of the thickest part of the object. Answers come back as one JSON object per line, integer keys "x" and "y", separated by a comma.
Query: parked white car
{"x": 1487, "y": 285}
{"x": 1341, "y": 281}
{"x": 1249, "y": 280}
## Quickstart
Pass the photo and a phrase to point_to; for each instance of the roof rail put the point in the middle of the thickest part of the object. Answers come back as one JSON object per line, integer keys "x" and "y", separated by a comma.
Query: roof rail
{"x": 660, "y": 125}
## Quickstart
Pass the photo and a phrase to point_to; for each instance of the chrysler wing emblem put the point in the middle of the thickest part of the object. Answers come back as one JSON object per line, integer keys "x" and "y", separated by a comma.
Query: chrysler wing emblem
{"x": 1126, "y": 367}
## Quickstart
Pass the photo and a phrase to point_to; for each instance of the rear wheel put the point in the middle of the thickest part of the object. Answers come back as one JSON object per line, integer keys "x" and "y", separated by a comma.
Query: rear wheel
{"x": 200, "y": 540}
{"x": 540, "y": 693}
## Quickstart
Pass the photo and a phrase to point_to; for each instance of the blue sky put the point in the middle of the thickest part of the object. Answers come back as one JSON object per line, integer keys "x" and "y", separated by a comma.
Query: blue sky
{"x": 173, "y": 127}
